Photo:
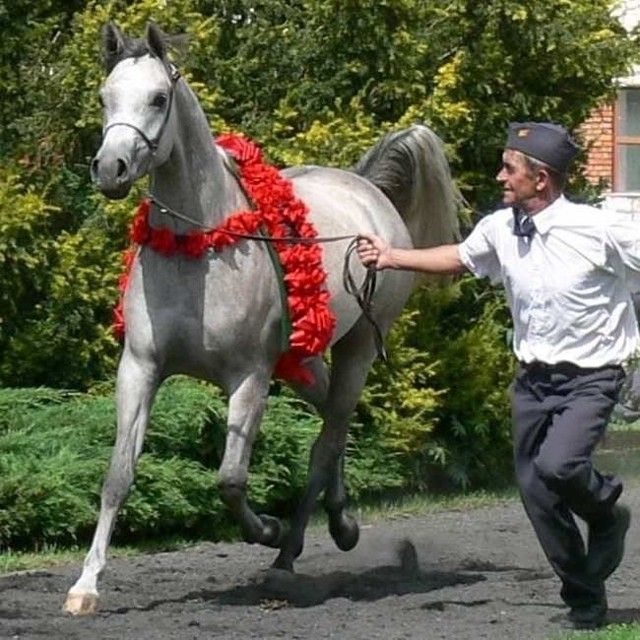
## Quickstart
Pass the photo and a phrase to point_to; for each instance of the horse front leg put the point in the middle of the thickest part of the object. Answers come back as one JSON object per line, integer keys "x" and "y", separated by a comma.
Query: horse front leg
{"x": 135, "y": 389}
{"x": 247, "y": 404}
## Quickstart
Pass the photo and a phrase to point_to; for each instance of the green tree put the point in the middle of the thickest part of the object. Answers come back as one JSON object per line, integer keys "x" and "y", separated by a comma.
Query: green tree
{"x": 315, "y": 81}
{"x": 29, "y": 29}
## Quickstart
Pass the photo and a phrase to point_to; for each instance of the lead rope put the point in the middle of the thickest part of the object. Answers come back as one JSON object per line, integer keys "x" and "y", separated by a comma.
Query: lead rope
{"x": 364, "y": 296}
{"x": 362, "y": 293}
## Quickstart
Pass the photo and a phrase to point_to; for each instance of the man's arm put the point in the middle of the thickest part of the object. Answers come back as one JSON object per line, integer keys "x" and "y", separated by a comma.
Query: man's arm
{"x": 442, "y": 260}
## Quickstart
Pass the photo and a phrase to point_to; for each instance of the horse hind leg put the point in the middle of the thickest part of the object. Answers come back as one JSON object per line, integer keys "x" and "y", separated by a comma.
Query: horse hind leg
{"x": 135, "y": 391}
{"x": 352, "y": 358}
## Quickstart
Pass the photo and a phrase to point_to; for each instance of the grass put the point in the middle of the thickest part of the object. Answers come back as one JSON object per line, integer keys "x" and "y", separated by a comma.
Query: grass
{"x": 12, "y": 561}
{"x": 614, "y": 632}
{"x": 423, "y": 504}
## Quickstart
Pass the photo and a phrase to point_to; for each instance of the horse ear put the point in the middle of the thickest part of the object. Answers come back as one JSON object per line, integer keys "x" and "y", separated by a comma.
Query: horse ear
{"x": 156, "y": 40}
{"x": 112, "y": 45}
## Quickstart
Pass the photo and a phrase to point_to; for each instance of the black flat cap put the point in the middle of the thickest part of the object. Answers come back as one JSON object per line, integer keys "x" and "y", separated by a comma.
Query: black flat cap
{"x": 544, "y": 141}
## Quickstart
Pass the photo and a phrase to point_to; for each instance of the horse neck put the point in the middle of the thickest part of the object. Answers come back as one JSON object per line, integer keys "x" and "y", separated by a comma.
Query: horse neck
{"x": 194, "y": 182}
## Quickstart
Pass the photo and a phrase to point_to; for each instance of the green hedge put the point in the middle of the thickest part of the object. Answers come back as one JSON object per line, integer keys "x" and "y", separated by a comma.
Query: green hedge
{"x": 55, "y": 449}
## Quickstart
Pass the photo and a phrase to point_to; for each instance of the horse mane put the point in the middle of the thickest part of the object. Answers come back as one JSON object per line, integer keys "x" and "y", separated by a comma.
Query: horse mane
{"x": 410, "y": 167}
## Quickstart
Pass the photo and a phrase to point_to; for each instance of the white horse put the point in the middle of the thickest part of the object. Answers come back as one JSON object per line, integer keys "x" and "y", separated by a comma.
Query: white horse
{"x": 218, "y": 317}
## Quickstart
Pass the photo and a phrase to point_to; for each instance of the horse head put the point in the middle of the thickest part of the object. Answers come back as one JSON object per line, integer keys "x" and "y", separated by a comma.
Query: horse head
{"x": 136, "y": 98}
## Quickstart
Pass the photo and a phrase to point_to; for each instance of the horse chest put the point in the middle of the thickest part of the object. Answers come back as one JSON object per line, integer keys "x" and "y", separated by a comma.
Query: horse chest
{"x": 195, "y": 312}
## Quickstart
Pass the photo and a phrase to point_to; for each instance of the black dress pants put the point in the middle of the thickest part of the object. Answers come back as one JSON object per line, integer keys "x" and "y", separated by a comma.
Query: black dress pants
{"x": 560, "y": 413}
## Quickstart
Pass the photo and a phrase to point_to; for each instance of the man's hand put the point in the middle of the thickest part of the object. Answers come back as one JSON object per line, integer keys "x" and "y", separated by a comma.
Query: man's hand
{"x": 442, "y": 260}
{"x": 373, "y": 251}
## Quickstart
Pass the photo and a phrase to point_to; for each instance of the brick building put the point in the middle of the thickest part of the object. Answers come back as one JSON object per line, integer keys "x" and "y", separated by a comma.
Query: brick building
{"x": 613, "y": 135}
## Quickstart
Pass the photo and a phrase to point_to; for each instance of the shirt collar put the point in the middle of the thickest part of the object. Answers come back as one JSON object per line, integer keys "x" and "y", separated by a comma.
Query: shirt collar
{"x": 545, "y": 218}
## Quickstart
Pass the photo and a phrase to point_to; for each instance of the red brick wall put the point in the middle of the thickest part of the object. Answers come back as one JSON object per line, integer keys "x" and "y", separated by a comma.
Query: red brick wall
{"x": 597, "y": 133}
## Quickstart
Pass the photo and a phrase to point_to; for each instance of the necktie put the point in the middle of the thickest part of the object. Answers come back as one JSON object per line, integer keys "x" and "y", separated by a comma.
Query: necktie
{"x": 523, "y": 225}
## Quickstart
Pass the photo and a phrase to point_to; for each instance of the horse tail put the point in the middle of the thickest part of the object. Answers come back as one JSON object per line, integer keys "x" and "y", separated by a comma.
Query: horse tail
{"x": 410, "y": 167}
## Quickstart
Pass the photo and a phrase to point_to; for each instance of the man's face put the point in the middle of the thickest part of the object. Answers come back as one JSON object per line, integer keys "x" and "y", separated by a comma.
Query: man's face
{"x": 517, "y": 179}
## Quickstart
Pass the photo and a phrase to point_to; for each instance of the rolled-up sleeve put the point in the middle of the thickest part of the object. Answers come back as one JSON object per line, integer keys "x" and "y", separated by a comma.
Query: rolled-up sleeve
{"x": 478, "y": 251}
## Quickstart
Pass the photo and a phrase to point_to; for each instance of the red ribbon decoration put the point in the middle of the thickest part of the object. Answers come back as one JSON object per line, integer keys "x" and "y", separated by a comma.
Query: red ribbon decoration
{"x": 281, "y": 214}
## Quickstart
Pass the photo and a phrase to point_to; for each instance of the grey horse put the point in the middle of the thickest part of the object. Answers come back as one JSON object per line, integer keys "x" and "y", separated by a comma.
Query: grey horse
{"x": 219, "y": 317}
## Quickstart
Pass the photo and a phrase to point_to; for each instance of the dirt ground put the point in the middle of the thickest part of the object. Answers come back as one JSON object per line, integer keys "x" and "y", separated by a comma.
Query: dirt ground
{"x": 459, "y": 575}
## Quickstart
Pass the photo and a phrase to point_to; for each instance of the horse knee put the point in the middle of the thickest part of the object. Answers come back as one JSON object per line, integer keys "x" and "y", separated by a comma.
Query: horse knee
{"x": 117, "y": 486}
{"x": 232, "y": 493}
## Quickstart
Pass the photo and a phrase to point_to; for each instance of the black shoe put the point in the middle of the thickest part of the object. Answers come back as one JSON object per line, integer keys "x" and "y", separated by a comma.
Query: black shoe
{"x": 606, "y": 542}
{"x": 589, "y": 616}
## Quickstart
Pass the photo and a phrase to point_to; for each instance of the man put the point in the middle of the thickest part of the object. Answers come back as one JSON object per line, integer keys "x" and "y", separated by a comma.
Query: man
{"x": 568, "y": 270}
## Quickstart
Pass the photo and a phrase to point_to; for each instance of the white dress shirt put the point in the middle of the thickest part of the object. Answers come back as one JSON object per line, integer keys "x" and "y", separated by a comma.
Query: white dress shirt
{"x": 569, "y": 285}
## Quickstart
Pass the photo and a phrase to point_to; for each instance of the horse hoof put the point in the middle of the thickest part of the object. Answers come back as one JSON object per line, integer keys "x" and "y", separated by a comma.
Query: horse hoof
{"x": 345, "y": 531}
{"x": 82, "y": 604}
{"x": 273, "y": 532}
{"x": 283, "y": 562}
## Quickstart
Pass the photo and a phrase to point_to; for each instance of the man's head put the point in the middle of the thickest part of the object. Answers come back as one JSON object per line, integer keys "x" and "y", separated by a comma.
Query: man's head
{"x": 545, "y": 142}
{"x": 534, "y": 164}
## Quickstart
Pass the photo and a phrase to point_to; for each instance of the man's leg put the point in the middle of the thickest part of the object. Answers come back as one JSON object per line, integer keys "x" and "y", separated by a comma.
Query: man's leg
{"x": 565, "y": 462}
{"x": 534, "y": 401}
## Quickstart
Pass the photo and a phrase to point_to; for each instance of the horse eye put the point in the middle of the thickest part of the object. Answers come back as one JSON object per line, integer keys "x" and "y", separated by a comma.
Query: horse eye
{"x": 159, "y": 101}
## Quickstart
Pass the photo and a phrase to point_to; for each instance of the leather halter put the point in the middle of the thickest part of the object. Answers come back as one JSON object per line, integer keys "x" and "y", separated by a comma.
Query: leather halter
{"x": 152, "y": 143}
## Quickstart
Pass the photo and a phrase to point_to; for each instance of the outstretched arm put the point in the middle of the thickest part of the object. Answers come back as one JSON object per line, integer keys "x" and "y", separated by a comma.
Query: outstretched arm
{"x": 443, "y": 260}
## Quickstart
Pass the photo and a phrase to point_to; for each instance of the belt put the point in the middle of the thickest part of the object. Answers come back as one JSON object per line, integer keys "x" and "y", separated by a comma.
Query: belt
{"x": 564, "y": 368}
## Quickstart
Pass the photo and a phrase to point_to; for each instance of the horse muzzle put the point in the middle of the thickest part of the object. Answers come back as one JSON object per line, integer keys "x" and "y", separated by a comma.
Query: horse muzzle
{"x": 112, "y": 176}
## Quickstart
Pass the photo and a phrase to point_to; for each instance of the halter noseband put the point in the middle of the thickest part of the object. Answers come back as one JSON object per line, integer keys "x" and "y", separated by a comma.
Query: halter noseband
{"x": 152, "y": 143}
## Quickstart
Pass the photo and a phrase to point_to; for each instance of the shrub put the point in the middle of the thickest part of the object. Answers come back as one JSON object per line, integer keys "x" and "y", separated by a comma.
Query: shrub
{"x": 55, "y": 449}
{"x": 466, "y": 329}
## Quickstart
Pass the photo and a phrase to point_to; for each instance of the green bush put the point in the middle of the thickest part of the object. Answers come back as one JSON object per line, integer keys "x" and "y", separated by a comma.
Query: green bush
{"x": 466, "y": 329}
{"x": 441, "y": 409}
{"x": 55, "y": 449}
{"x": 54, "y": 457}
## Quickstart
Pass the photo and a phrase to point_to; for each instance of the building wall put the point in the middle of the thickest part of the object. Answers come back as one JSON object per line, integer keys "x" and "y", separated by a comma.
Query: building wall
{"x": 597, "y": 133}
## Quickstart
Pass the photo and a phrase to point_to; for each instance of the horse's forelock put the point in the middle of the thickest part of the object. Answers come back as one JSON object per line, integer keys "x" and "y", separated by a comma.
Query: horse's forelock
{"x": 139, "y": 47}
{"x": 136, "y": 48}
{"x": 128, "y": 48}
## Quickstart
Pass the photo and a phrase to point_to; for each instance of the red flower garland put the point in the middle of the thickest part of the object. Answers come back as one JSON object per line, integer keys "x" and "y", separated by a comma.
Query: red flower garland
{"x": 281, "y": 214}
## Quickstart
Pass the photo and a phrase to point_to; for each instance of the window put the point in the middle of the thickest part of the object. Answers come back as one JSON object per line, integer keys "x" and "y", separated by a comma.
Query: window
{"x": 627, "y": 141}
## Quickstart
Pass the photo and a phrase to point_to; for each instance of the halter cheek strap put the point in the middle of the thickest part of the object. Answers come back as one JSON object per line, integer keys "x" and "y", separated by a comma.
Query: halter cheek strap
{"x": 152, "y": 143}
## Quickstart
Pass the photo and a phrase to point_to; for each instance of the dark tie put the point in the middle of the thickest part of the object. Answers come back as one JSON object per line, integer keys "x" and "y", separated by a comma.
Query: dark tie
{"x": 523, "y": 225}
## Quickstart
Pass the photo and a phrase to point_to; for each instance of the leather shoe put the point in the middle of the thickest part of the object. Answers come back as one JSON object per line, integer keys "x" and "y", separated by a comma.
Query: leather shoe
{"x": 590, "y": 616}
{"x": 606, "y": 542}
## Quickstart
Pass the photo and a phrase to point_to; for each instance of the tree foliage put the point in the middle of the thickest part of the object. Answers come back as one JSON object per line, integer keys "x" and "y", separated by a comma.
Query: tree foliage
{"x": 315, "y": 81}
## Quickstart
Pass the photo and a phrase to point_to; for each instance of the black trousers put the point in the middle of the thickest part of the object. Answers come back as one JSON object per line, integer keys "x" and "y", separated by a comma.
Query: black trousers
{"x": 560, "y": 413}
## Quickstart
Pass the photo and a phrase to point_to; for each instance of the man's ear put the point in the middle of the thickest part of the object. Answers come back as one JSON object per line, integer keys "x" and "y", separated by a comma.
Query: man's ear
{"x": 543, "y": 179}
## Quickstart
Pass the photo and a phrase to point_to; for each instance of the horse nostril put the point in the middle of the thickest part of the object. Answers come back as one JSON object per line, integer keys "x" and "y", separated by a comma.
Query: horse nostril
{"x": 122, "y": 168}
